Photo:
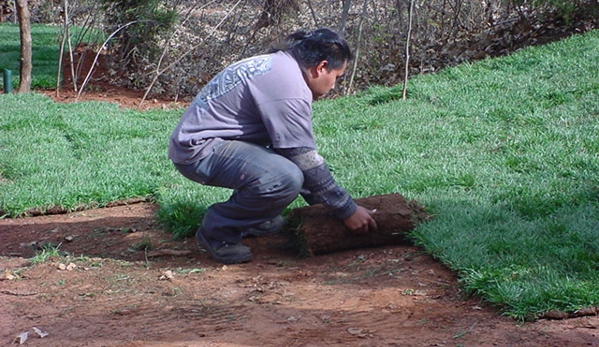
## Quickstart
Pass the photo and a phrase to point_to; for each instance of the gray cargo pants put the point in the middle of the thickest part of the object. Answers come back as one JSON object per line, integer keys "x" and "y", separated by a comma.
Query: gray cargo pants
{"x": 263, "y": 182}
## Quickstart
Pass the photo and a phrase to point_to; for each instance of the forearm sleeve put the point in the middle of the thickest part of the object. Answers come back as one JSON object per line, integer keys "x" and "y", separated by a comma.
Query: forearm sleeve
{"x": 319, "y": 184}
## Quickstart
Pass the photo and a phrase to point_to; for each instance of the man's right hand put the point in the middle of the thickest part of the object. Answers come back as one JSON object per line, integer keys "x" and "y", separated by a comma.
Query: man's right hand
{"x": 361, "y": 221}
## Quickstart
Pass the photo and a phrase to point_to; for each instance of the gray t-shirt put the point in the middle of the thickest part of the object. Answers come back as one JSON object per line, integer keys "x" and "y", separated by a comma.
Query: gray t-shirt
{"x": 248, "y": 101}
{"x": 264, "y": 100}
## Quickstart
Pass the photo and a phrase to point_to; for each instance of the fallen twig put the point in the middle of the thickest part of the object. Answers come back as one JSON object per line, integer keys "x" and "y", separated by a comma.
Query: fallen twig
{"x": 8, "y": 292}
{"x": 167, "y": 252}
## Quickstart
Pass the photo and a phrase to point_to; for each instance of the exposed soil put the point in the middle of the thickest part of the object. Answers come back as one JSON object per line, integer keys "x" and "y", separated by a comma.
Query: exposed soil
{"x": 92, "y": 81}
{"x": 126, "y": 282}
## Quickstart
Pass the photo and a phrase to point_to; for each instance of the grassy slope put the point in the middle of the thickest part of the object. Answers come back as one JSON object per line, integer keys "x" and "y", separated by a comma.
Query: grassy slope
{"x": 505, "y": 153}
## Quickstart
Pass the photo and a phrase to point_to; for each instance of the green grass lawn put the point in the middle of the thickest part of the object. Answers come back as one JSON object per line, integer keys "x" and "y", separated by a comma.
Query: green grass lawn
{"x": 46, "y": 42}
{"x": 504, "y": 153}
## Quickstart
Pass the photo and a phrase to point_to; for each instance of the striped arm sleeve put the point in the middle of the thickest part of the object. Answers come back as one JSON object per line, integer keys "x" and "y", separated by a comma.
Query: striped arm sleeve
{"x": 319, "y": 183}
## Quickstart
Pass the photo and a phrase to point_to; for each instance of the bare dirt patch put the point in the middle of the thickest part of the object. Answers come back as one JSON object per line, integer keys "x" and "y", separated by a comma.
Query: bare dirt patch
{"x": 128, "y": 283}
{"x": 88, "y": 78}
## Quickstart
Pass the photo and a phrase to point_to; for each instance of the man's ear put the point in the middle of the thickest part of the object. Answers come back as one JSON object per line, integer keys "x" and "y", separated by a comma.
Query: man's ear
{"x": 322, "y": 67}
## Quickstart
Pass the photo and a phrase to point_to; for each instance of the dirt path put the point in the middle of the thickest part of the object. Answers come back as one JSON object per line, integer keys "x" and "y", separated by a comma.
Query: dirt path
{"x": 117, "y": 293}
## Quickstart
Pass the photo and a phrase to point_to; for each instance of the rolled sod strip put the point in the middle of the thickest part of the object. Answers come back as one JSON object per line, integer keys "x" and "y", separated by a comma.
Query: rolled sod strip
{"x": 318, "y": 232}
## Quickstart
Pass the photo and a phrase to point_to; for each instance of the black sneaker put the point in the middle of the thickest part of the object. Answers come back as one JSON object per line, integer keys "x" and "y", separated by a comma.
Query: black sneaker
{"x": 267, "y": 228}
{"x": 226, "y": 253}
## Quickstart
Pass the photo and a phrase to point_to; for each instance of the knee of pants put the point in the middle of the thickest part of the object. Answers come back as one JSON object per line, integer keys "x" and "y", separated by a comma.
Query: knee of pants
{"x": 289, "y": 181}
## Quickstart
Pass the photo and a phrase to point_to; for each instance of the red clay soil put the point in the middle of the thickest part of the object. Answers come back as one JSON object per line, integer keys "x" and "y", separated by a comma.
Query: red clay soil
{"x": 93, "y": 83}
{"x": 126, "y": 282}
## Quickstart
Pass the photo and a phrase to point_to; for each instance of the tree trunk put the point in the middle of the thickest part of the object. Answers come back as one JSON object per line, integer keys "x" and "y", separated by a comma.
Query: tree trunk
{"x": 404, "y": 92}
{"x": 344, "y": 14}
{"x": 25, "y": 33}
{"x": 273, "y": 12}
{"x": 319, "y": 232}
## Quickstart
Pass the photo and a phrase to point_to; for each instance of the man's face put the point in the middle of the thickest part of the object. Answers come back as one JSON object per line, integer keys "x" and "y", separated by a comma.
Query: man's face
{"x": 321, "y": 81}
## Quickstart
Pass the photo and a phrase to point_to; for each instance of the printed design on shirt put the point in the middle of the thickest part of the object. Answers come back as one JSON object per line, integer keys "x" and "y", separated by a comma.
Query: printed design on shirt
{"x": 233, "y": 75}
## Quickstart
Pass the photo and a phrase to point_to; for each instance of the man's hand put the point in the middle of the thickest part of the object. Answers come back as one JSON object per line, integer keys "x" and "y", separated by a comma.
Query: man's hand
{"x": 361, "y": 222}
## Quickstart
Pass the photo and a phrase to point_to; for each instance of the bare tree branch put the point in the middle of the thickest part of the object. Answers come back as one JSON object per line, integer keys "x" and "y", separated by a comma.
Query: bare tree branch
{"x": 98, "y": 54}
{"x": 160, "y": 72}
{"x": 344, "y": 14}
{"x": 314, "y": 17}
{"x": 357, "y": 55}
{"x": 166, "y": 49}
{"x": 66, "y": 38}
{"x": 408, "y": 38}
{"x": 59, "y": 68}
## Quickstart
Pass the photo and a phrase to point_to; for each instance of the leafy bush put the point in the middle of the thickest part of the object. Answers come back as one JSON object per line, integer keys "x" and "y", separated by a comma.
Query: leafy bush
{"x": 139, "y": 23}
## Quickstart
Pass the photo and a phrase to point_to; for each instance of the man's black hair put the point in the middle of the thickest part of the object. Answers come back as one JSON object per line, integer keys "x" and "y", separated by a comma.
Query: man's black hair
{"x": 311, "y": 47}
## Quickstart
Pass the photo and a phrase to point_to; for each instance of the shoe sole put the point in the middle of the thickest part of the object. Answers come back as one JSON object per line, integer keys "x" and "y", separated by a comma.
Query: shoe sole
{"x": 202, "y": 242}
